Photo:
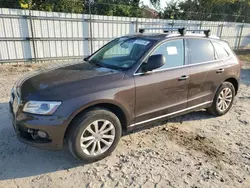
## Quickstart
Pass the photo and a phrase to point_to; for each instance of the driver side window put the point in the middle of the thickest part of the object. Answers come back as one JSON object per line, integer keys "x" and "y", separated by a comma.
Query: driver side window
{"x": 173, "y": 51}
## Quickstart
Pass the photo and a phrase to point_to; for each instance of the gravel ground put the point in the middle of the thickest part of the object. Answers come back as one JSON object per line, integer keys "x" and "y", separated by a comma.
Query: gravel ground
{"x": 194, "y": 150}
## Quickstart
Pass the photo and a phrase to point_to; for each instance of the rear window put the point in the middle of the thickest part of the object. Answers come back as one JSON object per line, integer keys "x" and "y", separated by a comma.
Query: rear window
{"x": 199, "y": 50}
{"x": 220, "y": 50}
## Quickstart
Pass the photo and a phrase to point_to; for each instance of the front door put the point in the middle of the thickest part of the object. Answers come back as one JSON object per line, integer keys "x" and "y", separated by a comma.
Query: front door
{"x": 163, "y": 91}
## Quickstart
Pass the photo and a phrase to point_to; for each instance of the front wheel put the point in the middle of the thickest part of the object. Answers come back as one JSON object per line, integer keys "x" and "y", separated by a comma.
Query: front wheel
{"x": 95, "y": 135}
{"x": 223, "y": 99}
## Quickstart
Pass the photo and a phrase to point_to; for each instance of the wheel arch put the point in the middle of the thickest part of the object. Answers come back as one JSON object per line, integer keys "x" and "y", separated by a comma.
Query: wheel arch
{"x": 235, "y": 83}
{"x": 117, "y": 109}
{"x": 232, "y": 80}
{"x": 213, "y": 109}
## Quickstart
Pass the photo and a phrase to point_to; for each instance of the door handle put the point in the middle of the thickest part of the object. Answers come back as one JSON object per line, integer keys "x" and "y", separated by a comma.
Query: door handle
{"x": 184, "y": 77}
{"x": 220, "y": 70}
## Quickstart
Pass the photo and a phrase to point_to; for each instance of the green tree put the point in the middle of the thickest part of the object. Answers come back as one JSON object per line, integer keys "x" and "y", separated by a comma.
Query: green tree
{"x": 100, "y": 7}
{"x": 171, "y": 11}
{"x": 116, "y": 8}
{"x": 69, "y": 6}
{"x": 156, "y": 4}
{"x": 9, "y": 4}
{"x": 217, "y": 10}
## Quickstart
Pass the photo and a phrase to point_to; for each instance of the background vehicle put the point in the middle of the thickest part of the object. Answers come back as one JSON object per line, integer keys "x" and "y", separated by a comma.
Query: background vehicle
{"x": 131, "y": 81}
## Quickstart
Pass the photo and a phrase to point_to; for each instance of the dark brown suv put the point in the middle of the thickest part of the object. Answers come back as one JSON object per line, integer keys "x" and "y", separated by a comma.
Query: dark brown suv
{"x": 130, "y": 82}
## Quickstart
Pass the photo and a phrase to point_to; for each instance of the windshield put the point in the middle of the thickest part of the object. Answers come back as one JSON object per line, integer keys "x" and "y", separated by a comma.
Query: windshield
{"x": 121, "y": 53}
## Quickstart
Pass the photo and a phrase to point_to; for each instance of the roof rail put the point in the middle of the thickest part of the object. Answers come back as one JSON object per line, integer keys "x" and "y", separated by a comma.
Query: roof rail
{"x": 165, "y": 30}
{"x": 181, "y": 30}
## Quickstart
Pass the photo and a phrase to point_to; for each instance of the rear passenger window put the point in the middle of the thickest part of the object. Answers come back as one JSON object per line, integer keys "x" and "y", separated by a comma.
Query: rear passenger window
{"x": 173, "y": 52}
{"x": 199, "y": 50}
{"x": 220, "y": 50}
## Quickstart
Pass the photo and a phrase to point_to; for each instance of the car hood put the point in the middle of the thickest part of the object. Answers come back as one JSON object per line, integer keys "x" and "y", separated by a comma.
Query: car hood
{"x": 54, "y": 83}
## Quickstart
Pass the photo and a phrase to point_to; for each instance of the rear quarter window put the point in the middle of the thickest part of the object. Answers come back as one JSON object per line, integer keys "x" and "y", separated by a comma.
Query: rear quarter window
{"x": 220, "y": 50}
{"x": 199, "y": 50}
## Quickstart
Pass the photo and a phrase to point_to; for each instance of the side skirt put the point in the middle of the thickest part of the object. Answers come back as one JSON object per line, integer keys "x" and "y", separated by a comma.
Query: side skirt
{"x": 170, "y": 115}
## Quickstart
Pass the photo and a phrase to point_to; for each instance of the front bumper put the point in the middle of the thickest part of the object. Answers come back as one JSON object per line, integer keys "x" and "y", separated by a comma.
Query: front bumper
{"x": 24, "y": 124}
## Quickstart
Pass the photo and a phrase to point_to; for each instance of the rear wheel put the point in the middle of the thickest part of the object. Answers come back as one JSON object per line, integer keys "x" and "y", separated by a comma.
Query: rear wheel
{"x": 223, "y": 99}
{"x": 95, "y": 135}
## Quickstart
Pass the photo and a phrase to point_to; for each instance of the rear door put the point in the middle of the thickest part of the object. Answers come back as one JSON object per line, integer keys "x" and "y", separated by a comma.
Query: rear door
{"x": 164, "y": 90}
{"x": 206, "y": 70}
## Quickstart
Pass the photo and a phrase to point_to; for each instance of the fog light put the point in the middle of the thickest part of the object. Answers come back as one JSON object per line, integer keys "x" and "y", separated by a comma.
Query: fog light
{"x": 41, "y": 134}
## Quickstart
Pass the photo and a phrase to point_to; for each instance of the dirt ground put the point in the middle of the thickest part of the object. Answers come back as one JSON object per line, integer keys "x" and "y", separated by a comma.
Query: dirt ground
{"x": 194, "y": 150}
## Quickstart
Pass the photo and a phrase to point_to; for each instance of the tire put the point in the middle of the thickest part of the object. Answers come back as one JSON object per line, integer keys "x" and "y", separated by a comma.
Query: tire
{"x": 80, "y": 130}
{"x": 215, "y": 109}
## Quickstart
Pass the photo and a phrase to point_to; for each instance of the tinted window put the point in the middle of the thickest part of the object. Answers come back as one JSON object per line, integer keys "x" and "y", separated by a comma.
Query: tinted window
{"x": 220, "y": 50}
{"x": 173, "y": 52}
{"x": 199, "y": 50}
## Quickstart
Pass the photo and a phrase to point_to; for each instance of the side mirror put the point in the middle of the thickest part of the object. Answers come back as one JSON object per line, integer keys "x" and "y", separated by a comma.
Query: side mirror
{"x": 154, "y": 62}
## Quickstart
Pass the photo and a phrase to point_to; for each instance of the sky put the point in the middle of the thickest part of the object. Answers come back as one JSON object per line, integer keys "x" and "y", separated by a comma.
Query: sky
{"x": 147, "y": 2}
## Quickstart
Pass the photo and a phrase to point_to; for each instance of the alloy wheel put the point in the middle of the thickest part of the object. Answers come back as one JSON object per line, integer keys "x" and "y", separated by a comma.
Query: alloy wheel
{"x": 224, "y": 99}
{"x": 97, "y": 137}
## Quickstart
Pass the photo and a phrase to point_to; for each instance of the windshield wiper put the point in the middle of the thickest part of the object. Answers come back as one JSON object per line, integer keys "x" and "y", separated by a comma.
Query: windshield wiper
{"x": 96, "y": 63}
{"x": 99, "y": 64}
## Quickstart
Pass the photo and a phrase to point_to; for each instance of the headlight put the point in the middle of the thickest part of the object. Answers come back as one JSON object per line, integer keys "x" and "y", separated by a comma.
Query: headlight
{"x": 41, "y": 107}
